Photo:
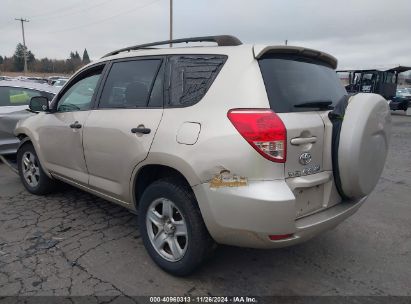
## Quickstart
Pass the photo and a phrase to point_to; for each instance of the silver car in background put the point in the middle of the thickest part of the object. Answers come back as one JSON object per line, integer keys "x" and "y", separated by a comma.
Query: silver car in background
{"x": 14, "y": 99}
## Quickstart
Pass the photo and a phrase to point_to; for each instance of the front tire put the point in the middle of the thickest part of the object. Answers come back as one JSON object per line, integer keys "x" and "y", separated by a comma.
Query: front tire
{"x": 34, "y": 179}
{"x": 172, "y": 227}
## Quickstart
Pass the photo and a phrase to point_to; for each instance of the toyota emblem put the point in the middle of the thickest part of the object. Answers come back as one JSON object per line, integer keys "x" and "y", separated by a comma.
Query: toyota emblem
{"x": 305, "y": 158}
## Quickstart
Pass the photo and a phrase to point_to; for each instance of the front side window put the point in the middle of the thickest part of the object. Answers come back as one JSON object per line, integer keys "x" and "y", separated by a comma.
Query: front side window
{"x": 129, "y": 83}
{"x": 79, "y": 95}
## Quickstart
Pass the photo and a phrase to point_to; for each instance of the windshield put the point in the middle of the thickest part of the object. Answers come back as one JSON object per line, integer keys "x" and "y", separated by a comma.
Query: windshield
{"x": 291, "y": 82}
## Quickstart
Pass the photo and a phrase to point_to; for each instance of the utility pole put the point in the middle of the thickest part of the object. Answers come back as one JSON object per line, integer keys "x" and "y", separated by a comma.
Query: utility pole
{"x": 171, "y": 22}
{"x": 24, "y": 43}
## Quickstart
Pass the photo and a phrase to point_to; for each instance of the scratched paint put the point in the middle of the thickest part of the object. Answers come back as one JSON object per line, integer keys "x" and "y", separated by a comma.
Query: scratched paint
{"x": 226, "y": 179}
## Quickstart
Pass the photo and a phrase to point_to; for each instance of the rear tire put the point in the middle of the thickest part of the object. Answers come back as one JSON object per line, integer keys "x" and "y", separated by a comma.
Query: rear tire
{"x": 172, "y": 228}
{"x": 34, "y": 179}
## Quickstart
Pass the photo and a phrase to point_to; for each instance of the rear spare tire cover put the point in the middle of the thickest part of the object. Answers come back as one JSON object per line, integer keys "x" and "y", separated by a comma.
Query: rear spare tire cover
{"x": 363, "y": 146}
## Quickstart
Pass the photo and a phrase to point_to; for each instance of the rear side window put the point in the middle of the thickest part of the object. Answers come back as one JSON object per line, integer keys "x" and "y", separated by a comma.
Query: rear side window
{"x": 190, "y": 76}
{"x": 293, "y": 81}
{"x": 129, "y": 83}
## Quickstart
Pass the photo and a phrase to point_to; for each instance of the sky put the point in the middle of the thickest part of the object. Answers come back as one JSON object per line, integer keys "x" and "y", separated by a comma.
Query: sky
{"x": 360, "y": 33}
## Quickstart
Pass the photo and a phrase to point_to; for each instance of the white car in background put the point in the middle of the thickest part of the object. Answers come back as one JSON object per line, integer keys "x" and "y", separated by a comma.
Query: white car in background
{"x": 59, "y": 83}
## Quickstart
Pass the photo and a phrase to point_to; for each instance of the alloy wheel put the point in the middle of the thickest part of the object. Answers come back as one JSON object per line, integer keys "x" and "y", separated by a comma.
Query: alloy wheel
{"x": 167, "y": 229}
{"x": 31, "y": 169}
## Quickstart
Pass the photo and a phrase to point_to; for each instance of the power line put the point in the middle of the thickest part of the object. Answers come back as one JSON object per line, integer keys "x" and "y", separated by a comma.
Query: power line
{"x": 77, "y": 11}
{"x": 24, "y": 42}
{"x": 105, "y": 19}
{"x": 5, "y": 26}
{"x": 57, "y": 10}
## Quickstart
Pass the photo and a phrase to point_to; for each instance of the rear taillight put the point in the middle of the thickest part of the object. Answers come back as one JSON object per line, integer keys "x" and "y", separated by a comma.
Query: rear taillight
{"x": 263, "y": 130}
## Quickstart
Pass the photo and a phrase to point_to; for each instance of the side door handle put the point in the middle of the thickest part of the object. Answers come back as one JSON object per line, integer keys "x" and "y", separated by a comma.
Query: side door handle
{"x": 141, "y": 129}
{"x": 75, "y": 125}
{"x": 303, "y": 140}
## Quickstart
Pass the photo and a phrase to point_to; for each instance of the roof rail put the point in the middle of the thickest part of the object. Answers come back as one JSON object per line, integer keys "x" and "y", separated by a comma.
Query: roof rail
{"x": 221, "y": 40}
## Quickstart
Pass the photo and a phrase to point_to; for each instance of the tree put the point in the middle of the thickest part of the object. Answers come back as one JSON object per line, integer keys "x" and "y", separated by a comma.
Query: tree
{"x": 43, "y": 65}
{"x": 74, "y": 62}
{"x": 30, "y": 59}
{"x": 86, "y": 58}
{"x": 7, "y": 64}
{"x": 18, "y": 57}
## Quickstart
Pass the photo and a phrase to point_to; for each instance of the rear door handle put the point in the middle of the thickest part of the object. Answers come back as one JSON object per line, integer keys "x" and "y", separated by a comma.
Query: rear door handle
{"x": 141, "y": 129}
{"x": 303, "y": 140}
{"x": 75, "y": 125}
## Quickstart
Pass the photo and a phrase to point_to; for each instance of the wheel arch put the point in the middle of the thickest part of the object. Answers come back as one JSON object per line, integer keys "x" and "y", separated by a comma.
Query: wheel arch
{"x": 149, "y": 173}
{"x": 24, "y": 138}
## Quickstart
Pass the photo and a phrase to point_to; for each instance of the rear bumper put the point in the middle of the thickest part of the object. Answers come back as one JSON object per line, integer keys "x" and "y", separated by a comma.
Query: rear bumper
{"x": 310, "y": 226}
{"x": 246, "y": 216}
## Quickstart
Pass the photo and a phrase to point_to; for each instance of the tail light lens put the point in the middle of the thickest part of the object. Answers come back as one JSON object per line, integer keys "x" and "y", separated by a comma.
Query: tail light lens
{"x": 263, "y": 130}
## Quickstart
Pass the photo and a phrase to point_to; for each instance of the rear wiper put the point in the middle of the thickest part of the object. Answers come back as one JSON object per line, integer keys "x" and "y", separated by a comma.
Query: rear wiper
{"x": 321, "y": 104}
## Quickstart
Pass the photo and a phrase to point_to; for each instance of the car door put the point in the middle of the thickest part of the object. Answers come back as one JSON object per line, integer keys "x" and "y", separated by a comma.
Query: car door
{"x": 118, "y": 134}
{"x": 61, "y": 133}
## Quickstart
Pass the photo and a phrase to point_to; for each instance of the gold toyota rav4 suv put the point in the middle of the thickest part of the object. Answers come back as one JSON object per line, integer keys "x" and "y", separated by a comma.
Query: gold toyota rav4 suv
{"x": 247, "y": 145}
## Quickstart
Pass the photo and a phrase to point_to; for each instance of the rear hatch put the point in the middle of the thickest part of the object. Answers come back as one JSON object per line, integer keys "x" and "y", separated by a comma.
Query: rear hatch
{"x": 301, "y": 89}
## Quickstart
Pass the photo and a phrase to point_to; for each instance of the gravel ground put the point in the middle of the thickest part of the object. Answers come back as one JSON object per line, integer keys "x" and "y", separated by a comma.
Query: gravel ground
{"x": 73, "y": 243}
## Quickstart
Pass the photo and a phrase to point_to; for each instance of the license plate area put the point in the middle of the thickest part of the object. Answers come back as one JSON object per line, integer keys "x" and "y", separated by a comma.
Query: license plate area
{"x": 309, "y": 200}
{"x": 313, "y": 193}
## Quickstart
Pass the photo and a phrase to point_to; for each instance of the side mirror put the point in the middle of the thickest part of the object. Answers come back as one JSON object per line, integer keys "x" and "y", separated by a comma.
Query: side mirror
{"x": 39, "y": 104}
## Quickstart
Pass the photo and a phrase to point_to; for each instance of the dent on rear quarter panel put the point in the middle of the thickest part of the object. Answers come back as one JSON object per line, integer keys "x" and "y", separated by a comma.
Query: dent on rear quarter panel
{"x": 219, "y": 146}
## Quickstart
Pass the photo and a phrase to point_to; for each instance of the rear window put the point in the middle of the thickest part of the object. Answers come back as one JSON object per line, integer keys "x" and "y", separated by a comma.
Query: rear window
{"x": 291, "y": 81}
